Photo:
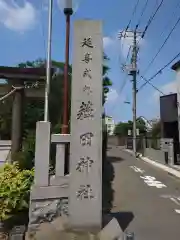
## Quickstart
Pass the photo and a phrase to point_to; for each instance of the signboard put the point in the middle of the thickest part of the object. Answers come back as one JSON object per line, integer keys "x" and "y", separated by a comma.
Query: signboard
{"x": 85, "y": 196}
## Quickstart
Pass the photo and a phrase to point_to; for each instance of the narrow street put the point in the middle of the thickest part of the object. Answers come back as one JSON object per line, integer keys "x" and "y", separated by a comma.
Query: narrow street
{"x": 147, "y": 198}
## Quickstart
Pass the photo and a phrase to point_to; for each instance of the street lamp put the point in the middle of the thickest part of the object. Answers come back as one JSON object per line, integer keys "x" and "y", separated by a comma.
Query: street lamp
{"x": 68, "y": 7}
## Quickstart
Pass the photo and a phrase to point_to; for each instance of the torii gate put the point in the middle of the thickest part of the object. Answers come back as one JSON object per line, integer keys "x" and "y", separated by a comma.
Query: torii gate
{"x": 16, "y": 78}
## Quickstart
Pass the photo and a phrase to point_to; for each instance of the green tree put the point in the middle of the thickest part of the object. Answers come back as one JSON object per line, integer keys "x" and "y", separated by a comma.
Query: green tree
{"x": 156, "y": 130}
{"x": 122, "y": 128}
{"x": 106, "y": 80}
{"x": 34, "y": 108}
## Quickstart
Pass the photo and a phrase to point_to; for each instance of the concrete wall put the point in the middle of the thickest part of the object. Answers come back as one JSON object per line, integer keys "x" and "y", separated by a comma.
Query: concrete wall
{"x": 113, "y": 140}
{"x": 156, "y": 155}
{"x": 5, "y": 148}
{"x": 117, "y": 141}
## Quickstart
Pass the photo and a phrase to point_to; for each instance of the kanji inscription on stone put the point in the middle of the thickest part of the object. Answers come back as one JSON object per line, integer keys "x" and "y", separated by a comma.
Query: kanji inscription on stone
{"x": 87, "y": 42}
{"x": 85, "y": 192}
{"x": 87, "y": 89}
{"x": 87, "y": 58}
{"x": 84, "y": 164}
{"x": 87, "y": 73}
{"x": 86, "y": 139}
{"x": 85, "y": 111}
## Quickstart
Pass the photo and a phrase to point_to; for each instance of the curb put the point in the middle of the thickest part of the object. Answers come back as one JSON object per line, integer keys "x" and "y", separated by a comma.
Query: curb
{"x": 168, "y": 169}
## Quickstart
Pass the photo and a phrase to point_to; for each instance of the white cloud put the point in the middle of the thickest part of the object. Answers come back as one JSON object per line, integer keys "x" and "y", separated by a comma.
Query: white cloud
{"x": 168, "y": 88}
{"x": 112, "y": 95}
{"x": 17, "y": 18}
{"x": 121, "y": 44}
{"x": 108, "y": 42}
{"x": 127, "y": 41}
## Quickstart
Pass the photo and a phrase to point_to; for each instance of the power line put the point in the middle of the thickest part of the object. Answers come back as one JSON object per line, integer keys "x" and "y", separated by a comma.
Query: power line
{"x": 123, "y": 84}
{"x": 158, "y": 72}
{"x": 128, "y": 54}
{"x": 158, "y": 89}
{"x": 142, "y": 13}
{"x": 172, "y": 17}
{"x": 133, "y": 13}
{"x": 152, "y": 18}
{"x": 128, "y": 25}
{"x": 165, "y": 41}
{"x": 124, "y": 64}
{"x": 153, "y": 86}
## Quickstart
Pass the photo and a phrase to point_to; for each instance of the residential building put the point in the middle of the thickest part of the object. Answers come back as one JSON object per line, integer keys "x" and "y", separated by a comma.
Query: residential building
{"x": 110, "y": 125}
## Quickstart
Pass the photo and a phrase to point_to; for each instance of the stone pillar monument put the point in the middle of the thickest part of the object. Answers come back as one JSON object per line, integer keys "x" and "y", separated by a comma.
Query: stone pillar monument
{"x": 85, "y": 193}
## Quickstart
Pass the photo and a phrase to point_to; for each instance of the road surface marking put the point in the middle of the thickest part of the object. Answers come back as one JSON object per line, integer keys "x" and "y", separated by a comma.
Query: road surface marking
{"x": 177, "y": 211}
{"x": 136, "y": 169}
{"x": 175, "y": 200}
{"x": 152, "y": 182}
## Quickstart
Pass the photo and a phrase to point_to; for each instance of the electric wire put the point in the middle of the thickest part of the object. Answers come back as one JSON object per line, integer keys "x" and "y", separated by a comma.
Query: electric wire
{"x": 158, "y": 72}
{"x": 152, "y": 17}
{"x": 129, "y": 50}
{"x": 129, "y": 23}
{"x": 142, "y": 13}
{"x": 133, "y": 13}
{"x": 162, "y": 46}
{"x": 153, "y": 86}
{"x": 123, "y": 84}
{"x": 172, "y": 17}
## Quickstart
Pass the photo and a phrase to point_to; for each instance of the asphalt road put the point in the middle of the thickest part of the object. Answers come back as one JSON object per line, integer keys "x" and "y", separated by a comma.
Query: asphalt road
{"x": 145, "y": 198}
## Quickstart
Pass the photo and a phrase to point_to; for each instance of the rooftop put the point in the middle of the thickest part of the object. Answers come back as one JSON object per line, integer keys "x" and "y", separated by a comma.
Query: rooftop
{"x": 23, "y": 73}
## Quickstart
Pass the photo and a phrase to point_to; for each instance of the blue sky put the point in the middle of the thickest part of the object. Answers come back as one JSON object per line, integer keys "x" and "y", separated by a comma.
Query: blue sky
{"x": 23, "y": 26}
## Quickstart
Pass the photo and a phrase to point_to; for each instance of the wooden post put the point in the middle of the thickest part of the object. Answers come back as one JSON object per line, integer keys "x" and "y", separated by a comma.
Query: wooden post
{"x": 17, "y": 119}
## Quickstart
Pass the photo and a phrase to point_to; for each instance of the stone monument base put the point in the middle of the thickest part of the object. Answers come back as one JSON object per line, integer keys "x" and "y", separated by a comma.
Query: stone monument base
{"x": 47, "y": 204}
{"x": 58, "y": 229}
{"x": 46, "y": 211}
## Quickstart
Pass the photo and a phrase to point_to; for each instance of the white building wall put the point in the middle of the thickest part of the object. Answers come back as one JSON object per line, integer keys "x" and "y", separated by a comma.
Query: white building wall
{"x": 110, "y": 125}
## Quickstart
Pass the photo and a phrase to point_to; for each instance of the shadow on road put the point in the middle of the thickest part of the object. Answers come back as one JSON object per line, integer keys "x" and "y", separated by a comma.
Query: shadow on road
{"x": 123, "y": 218}
{"x": 107, "y": 190}
{"x": 115, "y": 159}
{"x": 107, "y": 178}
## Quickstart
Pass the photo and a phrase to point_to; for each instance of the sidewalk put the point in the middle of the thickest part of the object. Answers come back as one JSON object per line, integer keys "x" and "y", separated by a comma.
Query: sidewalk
{"x": 173, "y": 170}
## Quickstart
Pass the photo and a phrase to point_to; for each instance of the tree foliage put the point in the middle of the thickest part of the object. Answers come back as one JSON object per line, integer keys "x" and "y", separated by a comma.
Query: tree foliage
{"x": 34, "y": 109}
{"x": 156, "y": 130}
{"x": 14, "y": 190}
{"x": 122, "y": 128}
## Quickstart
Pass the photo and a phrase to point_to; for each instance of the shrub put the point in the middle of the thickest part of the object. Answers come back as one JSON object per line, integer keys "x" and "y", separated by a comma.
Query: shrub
{"x": 15, "y": 187}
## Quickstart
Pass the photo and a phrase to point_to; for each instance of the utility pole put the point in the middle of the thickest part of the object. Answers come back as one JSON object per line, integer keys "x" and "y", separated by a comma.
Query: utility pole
{"x": 134, "y": 90}
{"x": 132, "y": 70}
